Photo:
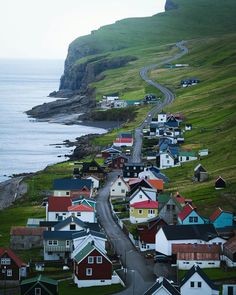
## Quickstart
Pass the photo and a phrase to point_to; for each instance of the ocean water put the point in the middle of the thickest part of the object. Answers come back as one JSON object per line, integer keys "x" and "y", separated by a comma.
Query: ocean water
{"x": 25, "y": 144}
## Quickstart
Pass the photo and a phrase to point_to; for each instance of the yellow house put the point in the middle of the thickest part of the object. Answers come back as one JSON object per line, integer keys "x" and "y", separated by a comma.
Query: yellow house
{"x": 142, "y": 211}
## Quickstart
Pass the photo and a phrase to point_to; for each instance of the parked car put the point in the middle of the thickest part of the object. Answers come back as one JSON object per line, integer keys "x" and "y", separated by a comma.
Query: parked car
{"x": 161, "y": 258}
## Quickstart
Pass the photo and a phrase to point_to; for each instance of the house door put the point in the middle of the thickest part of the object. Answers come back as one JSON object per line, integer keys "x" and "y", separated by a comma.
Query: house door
{"x": 230, "y": 290}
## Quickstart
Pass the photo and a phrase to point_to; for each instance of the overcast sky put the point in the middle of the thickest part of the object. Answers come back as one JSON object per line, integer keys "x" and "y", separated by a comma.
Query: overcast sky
{"x": 44, "y": 28}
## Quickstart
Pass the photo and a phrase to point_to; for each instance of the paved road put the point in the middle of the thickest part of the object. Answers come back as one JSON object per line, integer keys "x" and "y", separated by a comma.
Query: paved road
{"x": 139, "y": 276}
{"x": 168, "y": 94}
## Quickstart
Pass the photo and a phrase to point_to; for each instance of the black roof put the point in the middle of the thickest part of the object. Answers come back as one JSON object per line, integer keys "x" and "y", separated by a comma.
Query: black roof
{"x": 84, "y": 233}
{"x": 204, "y": 232}
{"x": 197, "y": 269}
{"x": 60, "y": 235}
{"x": 131, "y": 164}
{"x": 69, "y": 220}
{"x": 166, "y": 284}
{"x": 87, "y": 165}
{"x": 71, "y": 184}
{"x": 47, "y": 223}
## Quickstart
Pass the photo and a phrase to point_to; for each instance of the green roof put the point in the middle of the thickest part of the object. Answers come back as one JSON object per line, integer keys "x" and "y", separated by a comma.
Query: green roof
{"x": 187, "y": 154}
{"x": 84, "y": 252}
{"x": 163, "y": 198}
{"x": 40, "y": 278}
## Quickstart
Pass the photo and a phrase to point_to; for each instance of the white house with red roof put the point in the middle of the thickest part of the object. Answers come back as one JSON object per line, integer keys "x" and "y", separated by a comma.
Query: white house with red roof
{"x": 60, "y": 208}
{"x": 119, "y": 142}
{"x": 221, "y": 218}
{"x": 205, "y": 256}
{"x": 189, "y": 215}
{"x": 143, "y": 211}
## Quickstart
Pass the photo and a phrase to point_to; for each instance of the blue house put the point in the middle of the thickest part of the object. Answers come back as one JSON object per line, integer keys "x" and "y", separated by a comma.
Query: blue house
{"x": 189, "y": 216}
{"x": 221, "y": 218}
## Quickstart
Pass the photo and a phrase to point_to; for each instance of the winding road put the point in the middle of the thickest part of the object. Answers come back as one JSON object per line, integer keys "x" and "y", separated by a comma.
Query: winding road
{"x": 138, "y": 270}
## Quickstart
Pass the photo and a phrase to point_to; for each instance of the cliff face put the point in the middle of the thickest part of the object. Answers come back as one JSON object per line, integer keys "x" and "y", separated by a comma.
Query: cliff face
{"x": 77, "y": 76}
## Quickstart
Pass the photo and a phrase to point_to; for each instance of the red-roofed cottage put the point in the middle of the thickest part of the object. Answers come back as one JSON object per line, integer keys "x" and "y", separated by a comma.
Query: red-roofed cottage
{"x": 12, "y": 268}
{"x": 189, "y": 215}
{"x": 143, "y": 211}
{"x": 221, "y": 218}
{"x": 59, "y": 208}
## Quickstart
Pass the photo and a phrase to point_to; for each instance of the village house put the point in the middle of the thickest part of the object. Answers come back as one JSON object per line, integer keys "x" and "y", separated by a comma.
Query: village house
{"x": 205, "y": 256}
{"x": 200, "y": 173}
{"x": 82, "y": 238}
{"x": 203, "y": 153}
{"x": 186, "y": 156}
{"x": 95, "y": 181}
{"x": 92, "y": 267}
{"x": 169, "y": 208}
{"x": 110, "y": 152}
{"x": 122, "y": 142}
{"x": 167, "y": 159}
{"x": 92, "y": 169}
{"x": 143, "y": 194}
{"x": 25, "y": 238}
{"x": 147, "y": 233}
{"x": 188, "y": 127}
{"x": 197, "y": 282}
{"x": 143, "y": 211}
{"x": 162, "y": 287}
{"x": 117, "y": 162}
{"x": 220, "y": 183}
{"x": 12, "y": 268}
{"x": 136, "y": 183}
{"x": 152, "y": 172}
{"x": 40, "y": 285}
{"x": 189, "y": 215}
{"x": 229, "y": 252}
{"x": 221, "y": 218}
{"x": 118, "y": 104}
{"x": 60, "y": 208}
{"x": 132, "y": 170}
{"x": 119, "y": 188}
{"x": 185, "y": 234}
{"x": 72, "y": 188}
{"x": 229, "y": 289}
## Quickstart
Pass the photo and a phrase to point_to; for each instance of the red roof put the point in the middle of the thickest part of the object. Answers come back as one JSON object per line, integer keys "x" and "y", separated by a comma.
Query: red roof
{"x": 145, "y": 205}
{"x": 186, "y": 211}
{"x": 156, "y": 183}
{"x": 12, "y": 255}
{"x": 217, "y": 213}
{"x": 179, "y": 198}
{"x": 59, "y": 204}
{"x": 230, "y": 245}
{"x": 81, "y": 208}
{"x": 123, "y": 140}
{"x": 196, "y": 251}
{"x": 27, "y": 231}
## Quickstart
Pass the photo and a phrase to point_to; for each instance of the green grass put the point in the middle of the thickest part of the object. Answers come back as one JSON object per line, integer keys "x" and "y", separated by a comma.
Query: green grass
{"x": 67, "y": 287}
{"x": 214, "y": 274}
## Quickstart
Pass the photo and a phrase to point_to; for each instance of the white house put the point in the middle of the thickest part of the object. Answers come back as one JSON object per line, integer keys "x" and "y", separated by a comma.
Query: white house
{"x": 205, "y": 256}
{"x": 203, "y": 153}
{"x": 95, "y": 181}
{"x": 162, "y": 117}
{"x": 162, "y": 287}
{"x": 117, "y": 104}
{"x": 196, "y": 282}
{"x": 143, "y": 194}
{"x": 185, "y": 234}
{"x": 119, "y": 188}
{"x": 185, "y": 156}
{"x": 167, "y": 160}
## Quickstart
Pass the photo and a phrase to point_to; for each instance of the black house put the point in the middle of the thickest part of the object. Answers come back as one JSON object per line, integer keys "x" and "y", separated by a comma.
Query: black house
{"x": 40, "y": 285}
{"x": 200, "y": 173}
{"x": 132, "y": 170}
{"x": 220, "y": 183}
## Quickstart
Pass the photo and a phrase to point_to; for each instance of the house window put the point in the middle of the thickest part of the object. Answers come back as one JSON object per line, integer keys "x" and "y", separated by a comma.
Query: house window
{"x": 119, "y": 183}
{"x": 122, "y": 191}
{"x": 190, "y": 219}
{"x": 67, "y": 193}
{"x": 37, "y": 291}
{"x": 140, "y": 211}
{"x": 168, "y": 162}
{"x": 52, "y": 242}
{"x": 128, "y": 174}
{"x": 199, "y": 284}
{"x": 168, "y": 207}
{"x": 122, "y": 160}
{"x": 67, "y": 243}
{"x": 9, "y": 272}
{"x": 90, "y": 260}
{"x": 89, "y": 271}
{"x": 151, "y": 211}
{"x": 173, "y": 207}
{"x": 134, "y": 168}
{"x": 195, "y": 219}
{"x": 140, "y": 196}
{"x": 135, "y": 174}
{"x": 72, "y": 226}
{"x": 99, "y": 259}
{"x": 192, "y": 284}
{"x": 5, "y": 261}
{"x": 167, "y": 156}
{"x": 78, "y": 213}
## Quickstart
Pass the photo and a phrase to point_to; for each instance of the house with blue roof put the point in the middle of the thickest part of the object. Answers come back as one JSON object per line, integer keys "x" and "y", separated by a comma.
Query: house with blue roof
{"x": 73, "y": 188}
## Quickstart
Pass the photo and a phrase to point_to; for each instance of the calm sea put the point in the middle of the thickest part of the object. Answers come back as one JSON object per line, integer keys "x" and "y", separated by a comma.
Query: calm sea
{"x": 25, "y": 145}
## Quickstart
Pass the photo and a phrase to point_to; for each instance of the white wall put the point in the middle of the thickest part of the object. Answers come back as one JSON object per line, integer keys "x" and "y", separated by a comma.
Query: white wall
{"x": 205, "y": 289}
{"x": 201, "y": 263}
{"x": 164, "y": 161}
{"x": 90, "y": 283}
{"x": 139, "y": 197}
{"x": 148, "y": 247}
{"x": 85, "y": 216}
{"x": 95, "y": 181}
{"x": 117, "y": 190}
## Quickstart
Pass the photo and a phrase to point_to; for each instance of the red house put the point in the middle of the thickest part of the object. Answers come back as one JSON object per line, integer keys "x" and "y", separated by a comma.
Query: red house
{"x": 118, "y": 162}
{"x": 12, "y": 268}
{"x": 92, "y": 267}
{"x": 147, "y": 233}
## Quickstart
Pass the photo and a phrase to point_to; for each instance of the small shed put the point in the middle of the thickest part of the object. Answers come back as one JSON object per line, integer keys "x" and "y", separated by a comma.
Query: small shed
{"x": 220, "y": 183}
{"x": 200, "y": 173}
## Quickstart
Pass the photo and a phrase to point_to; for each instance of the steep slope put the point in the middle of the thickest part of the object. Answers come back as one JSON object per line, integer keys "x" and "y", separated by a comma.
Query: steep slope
{"x": 190, "y": 19}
